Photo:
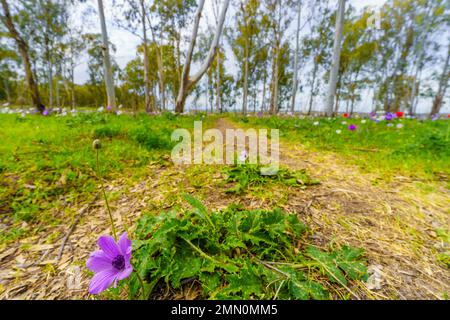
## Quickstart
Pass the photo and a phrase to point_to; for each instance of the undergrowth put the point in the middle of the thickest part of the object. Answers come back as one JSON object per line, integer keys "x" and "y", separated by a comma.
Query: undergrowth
{"x": 247, "y": 176}
{"x": 239, "y": 254}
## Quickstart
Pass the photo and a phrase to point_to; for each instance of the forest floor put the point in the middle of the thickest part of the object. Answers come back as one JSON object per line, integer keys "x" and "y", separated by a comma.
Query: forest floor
{"x": 394, "y": 221}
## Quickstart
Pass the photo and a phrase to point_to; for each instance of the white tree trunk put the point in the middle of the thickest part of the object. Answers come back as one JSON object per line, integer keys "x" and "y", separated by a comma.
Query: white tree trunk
{"x": 186, "y": 84}
{"x": 295, "y": 83}
{"x": 336, "y": 57}
{"x": 109, "y": 81}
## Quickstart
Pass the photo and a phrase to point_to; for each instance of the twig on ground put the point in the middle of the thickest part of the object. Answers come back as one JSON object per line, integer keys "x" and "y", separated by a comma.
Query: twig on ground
{"x": 81, "y": 213}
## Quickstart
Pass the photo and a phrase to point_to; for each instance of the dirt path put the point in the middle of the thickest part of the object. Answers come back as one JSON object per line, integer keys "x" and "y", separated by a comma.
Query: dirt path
{"x": 395, "y": 223}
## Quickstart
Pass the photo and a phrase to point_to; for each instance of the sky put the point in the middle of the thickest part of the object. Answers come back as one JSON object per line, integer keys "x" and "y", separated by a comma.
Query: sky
{"x": 126, "y": 42}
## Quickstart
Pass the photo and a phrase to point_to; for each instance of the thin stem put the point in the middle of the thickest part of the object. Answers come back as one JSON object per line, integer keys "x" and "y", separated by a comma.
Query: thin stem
{"x": 106, "y": 199}
{"x": 141, "y": 281}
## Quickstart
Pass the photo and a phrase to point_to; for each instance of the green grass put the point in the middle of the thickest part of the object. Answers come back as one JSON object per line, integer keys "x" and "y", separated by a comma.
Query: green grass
{"x": 419, "y": 149}
{"x": 48, "y": 162}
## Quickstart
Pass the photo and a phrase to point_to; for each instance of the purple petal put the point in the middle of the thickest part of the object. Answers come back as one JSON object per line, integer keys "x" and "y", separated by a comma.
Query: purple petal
{"x": 125, "y": 246}
{"x": 109, "y": 246}
{"x": 125, "y": 273}
{"x": 102, "y": 281}
{"x": 99, "y": 261}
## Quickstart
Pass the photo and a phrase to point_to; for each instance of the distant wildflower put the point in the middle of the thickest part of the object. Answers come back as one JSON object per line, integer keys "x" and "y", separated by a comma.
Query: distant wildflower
{"x": 363, "y": 121}
{"x": 399, "y": 114}
{"x": 23, "y": 114}
{"x": 373, "y": 114}
{"x": 111, "y": 263}
{"x": 338, "y": 131}
{"x": 344, "y": 122}
{"x": 243, "y": 156}
{"x": 345, "y": 115}
{"x": 435, "y": 117}
{"x": 352, "y": 127}
{"x": 119, "y": 112}
{"x": 399, "y": 126}
{"x": 100, "y": 109}
{"x": 45, "y": 112}
{"x": 316, "y": 123}
{"x": 109, "y": 108}
{"x": 390, "y": 124}
{"x": 389, "y": 116}
{"x": 260, "y": 114}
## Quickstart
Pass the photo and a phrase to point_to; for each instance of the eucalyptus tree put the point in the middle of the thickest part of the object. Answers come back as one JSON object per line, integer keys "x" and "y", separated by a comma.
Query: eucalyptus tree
{"x": 135, "y": 18}
{"x": 279, "y": 20}
{"x": 332, "y": 83}
{"x": 187, "y": 82}
{"x": 442, "y": 86}
{"x": 317, "y": 47}
{"x": 244, "y": 40}
{"x": 108, "y": 72}
{"x": 6, "y": 18}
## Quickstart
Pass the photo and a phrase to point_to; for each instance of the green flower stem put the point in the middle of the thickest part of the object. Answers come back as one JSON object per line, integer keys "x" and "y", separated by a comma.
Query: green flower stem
{"x": 106, "y": 199}
{"x": 141, "y": 281}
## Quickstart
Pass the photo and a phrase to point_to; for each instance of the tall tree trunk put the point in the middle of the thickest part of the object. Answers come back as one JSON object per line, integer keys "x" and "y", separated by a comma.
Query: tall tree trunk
{"x": 146, "y": 63}
{"x": 332, "y": 84}
{"x": 160, "y": 64}
{"x": 50, "y": 82}
{"x": 187, "y": 83}
{"x": 295, "y": 83}
{"x": 23, "y": 50}
{"x": 218, "y": 94}
{"x": 109, "y": 81}
{"x": 263, "y": 100}
{"x": 245, "y": 84}
{"x": 313, "y": 83}
{"x": 443, "y": 84}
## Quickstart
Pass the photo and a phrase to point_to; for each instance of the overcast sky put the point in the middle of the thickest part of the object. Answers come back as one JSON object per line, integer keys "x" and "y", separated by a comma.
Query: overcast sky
{"x": 126, "y": 42}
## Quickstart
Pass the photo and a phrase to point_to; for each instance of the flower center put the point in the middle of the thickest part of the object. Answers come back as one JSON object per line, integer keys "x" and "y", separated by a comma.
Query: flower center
{"x": 119, "y": 262}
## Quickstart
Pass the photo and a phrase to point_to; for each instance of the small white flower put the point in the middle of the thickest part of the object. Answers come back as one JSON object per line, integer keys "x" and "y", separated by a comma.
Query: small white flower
{"x": 399, "y": 126}
{"x": 100, "y": 109}
{"x": 316, "y": 123}
{"x": 363, "y": 121}
{"x": 338, "y": 131}
{"x": 344, "y": 122}
{"x": 243, "y": 156}
{"x": 119, "y": 112}
{"x": 390, "y": 124}
{"x": 23, "y": 114}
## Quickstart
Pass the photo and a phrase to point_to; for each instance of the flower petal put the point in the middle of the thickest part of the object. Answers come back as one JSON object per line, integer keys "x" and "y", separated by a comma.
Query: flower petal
{"x": 109, "y": 246}
{"x": 124, "y": 273}
{"x": 125, "y": 245}
{"x": 102, "y": 281}
{"x": 99, "y": 261}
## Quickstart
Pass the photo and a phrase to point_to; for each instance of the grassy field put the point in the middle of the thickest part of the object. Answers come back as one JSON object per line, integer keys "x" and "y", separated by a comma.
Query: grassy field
{"x": 46, "y": 162}
{"x": 344, "y": 202}
{"x": 417, "y": 148}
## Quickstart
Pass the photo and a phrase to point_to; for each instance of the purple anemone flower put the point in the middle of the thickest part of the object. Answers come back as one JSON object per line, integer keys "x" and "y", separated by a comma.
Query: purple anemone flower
{"x": 389, "y": 116}
{"x": 260, "y": 114}
{"x": 435, "y": 117}
{"x": 352, "y": 127}
{"x": 111, "y": 263}
{"x": 108, "y": 108}
{"x": 45, "y": 112}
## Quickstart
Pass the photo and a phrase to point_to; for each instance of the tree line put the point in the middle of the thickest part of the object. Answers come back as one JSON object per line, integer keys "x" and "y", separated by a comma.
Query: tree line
{"x": 286, "y": 55}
